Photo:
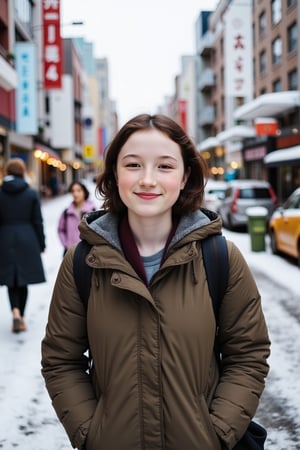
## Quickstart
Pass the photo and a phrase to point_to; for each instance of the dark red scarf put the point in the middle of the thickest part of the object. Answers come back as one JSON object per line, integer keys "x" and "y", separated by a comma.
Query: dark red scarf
{"x": 130, "y": 248}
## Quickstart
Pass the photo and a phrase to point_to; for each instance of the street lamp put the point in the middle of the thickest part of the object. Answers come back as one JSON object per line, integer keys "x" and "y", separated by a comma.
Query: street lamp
{"x": 74, "y": 22}
{"x": 67, "y": 24}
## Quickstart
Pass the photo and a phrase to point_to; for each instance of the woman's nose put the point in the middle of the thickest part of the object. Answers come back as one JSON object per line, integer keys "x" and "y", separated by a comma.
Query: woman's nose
{"x": 148, "y": 179}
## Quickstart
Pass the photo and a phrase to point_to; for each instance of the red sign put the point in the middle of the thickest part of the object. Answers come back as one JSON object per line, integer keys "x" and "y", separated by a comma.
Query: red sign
{"x": 182, "y": 112}
{"x": 52, "y": 45}
{"x": 266, "y": 127}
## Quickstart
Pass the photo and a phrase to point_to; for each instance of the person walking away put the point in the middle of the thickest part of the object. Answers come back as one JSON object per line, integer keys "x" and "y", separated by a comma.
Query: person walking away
{"x": 22, "y": 239}
{"x": 155, "y": 380}
{"x": 70, "y": 218}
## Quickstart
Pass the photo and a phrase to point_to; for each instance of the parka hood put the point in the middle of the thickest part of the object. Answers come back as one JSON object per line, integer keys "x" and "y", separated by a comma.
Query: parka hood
{"x": 14, "y": 185}
{"x": 101, "y": 225}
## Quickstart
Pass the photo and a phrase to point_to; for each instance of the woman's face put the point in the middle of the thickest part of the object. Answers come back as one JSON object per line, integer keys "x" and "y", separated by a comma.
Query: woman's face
{"x": 150, "y": 174}
{"x": 77, "y": 193}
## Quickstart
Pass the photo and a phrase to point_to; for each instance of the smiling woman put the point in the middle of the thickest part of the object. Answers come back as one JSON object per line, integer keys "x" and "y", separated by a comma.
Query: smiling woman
{"x": 155, "y": 380}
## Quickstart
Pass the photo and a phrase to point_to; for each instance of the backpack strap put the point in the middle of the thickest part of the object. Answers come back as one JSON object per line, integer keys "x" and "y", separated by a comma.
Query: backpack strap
{"x": 81, "y": 271}
{"x": 215, "y": 257}
{"x": 65, "y": 215}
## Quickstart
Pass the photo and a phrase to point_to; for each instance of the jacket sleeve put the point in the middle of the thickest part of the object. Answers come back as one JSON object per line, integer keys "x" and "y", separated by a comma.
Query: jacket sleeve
{"x": 62, "y": 229}
{"x": 37, "y": 220}
{"x": 64, "y": 363}
{"x": 245, "y": 347}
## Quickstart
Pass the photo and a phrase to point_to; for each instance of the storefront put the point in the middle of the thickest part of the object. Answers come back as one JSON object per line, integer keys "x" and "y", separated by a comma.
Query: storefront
{"x": 284, "y": 167}
{"x": 50, "y": 170}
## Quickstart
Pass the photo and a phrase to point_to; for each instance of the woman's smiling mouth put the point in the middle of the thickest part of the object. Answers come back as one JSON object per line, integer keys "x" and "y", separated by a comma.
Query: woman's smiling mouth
{"x": 147, "y": 195}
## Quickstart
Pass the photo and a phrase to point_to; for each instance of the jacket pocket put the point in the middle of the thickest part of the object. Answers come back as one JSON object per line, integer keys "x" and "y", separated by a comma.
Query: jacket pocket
{"x": 96, "y": 425}
{"x": 207, "y": 423}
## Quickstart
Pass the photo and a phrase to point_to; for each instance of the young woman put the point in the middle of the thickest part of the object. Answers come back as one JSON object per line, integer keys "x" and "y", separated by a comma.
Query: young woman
{"x": 22, "y": 239}
{"x": 69, "y": 220}
{"x": 150, "y": 326}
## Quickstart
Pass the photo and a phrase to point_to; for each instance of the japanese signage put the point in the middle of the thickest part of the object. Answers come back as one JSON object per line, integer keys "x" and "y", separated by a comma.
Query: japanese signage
{"x": 26, "y": 94}
{"x": 52, "y": 45}
{"x": 238, "y": 50}
{"x": 88, "y": 152}
{"x": 182, "y": 113}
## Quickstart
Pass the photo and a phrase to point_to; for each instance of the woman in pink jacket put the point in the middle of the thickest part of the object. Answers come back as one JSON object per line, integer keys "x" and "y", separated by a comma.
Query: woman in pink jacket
{"x": 70, "y": 218}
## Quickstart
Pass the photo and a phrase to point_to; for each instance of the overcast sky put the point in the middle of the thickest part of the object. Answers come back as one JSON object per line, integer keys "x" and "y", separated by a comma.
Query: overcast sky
{"x": 143, "y": 41}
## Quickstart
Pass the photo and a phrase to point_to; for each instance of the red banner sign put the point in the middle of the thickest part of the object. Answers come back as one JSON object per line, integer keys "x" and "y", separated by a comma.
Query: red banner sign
{"x": 52, "y": 45}
{"x": 182, "y": 113}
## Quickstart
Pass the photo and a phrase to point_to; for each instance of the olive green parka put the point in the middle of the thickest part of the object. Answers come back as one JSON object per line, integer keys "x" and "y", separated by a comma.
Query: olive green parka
{"x": 155, "y": 382}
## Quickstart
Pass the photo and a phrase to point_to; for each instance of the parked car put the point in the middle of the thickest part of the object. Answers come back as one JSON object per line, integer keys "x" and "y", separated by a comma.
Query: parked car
{"x": 284, "y": 227}
{"x": 214, "y": 194}
{"x": 242, "y": 194}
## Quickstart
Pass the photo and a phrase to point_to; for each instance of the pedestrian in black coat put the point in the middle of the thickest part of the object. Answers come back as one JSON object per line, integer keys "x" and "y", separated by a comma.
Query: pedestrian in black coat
{"x": 22, "y": 239}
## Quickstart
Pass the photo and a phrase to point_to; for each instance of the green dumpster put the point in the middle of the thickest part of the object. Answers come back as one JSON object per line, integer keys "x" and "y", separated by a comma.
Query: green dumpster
{"x": 257, "y": 227}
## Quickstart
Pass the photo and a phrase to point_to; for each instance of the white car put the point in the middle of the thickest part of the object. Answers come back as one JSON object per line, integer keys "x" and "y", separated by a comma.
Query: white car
{"x": 214, "y": 193}
{"x": 243, "y": 194}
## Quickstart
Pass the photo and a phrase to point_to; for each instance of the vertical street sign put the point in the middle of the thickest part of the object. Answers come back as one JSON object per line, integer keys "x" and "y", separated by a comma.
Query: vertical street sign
{"x": 26, "y": 94}
{"x": 52, "y": 45}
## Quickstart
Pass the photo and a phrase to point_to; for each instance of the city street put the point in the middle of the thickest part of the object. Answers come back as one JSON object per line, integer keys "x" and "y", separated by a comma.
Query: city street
{"x": 28, "y": 421}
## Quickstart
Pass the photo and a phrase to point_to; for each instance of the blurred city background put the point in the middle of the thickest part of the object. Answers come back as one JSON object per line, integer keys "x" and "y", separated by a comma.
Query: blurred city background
{"x": 237, "y": 95}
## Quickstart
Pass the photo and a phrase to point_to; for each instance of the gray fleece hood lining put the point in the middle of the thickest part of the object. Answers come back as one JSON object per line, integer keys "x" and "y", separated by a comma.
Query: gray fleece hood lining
{"x": 106, "y": 226}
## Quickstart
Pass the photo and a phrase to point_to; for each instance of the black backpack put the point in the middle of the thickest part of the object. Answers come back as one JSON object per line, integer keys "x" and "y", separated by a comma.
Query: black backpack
{"x": 215, "y": 257}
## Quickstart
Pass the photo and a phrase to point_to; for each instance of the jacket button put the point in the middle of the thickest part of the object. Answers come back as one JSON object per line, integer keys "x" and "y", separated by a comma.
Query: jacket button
{"x": 116, "y": 279}
{"x": 91, "y": 259}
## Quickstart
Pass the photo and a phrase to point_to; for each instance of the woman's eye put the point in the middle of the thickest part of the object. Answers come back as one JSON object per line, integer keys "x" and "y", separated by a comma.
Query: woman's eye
{"x": 165, "y": 166}
{"x": 132, "y": 164}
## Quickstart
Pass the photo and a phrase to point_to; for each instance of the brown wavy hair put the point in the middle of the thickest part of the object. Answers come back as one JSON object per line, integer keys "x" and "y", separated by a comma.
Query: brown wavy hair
{"x": 190, "y": 198}
{"x": 83, "y": 187}
{"x": 16, "y": 167}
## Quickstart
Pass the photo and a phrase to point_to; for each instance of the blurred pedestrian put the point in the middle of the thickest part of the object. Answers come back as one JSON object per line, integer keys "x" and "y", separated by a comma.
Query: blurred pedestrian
{"x": 155, "y": 381}
{"x": 71, "y": 216}
{"x": 53, "y": 184}
{"x": 22, "y": 239}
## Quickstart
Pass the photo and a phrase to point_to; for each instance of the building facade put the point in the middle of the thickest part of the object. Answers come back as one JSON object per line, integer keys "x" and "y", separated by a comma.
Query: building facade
{"x": 49, "y": 96}
{"x": 253, "y": 55}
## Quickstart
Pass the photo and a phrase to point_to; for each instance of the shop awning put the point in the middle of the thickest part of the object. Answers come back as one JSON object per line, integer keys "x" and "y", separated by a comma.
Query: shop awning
{"x": 284, "y": 157}
{"x": 235, "y": 133}
{"x": 208, "y": 143}
{"x": 268, "y": 105}
{"x": 43, "y": 148}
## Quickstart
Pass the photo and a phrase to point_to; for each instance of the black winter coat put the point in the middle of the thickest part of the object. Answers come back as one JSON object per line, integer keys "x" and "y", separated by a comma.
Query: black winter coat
{"x": 22, "y": 236}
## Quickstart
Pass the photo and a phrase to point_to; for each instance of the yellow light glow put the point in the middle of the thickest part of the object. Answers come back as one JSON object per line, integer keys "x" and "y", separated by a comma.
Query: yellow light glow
{"x": 37, "y": 153}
